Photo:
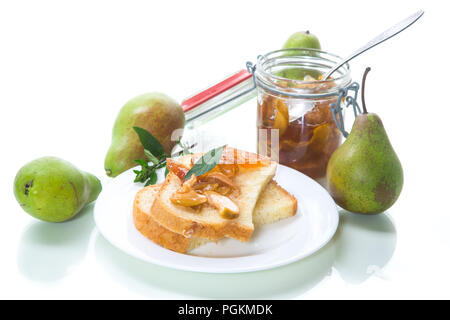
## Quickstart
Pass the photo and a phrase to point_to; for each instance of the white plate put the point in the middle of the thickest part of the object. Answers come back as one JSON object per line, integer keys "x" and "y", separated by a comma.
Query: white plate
{"x": 270, "y": 246}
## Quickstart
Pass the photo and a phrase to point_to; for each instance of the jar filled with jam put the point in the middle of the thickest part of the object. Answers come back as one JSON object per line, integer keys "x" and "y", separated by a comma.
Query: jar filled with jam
{"x": 294, "y": 119}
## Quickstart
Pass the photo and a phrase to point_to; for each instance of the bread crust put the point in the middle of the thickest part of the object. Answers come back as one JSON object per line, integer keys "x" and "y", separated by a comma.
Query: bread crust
{"x": 147, "y": 226}
{"x": 192, "y": 227}
{"x": 290, "y": 196}
{"x": 168, "y": 215}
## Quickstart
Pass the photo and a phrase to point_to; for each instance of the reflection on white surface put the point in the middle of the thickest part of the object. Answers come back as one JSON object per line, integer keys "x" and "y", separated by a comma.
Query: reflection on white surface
{"x": 284, "y": 282}
{"x": 361, "y": 248}
{"x": 264, "y": 239}
{"x": 47, "y": 251}
{"x": 364, "y": 245}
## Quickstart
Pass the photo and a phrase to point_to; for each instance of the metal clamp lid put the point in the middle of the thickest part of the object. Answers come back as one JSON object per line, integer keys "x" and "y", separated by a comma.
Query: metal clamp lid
{"x": 336, "y": 109}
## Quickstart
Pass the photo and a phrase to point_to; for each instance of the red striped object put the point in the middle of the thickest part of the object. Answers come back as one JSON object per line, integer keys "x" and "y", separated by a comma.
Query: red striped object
{"x": 215, "y": 90}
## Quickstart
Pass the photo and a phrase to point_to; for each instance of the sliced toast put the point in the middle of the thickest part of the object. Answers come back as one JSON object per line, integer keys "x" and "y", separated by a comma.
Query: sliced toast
{"x": 208, "y": 223}
{"x": 274, "y": 204}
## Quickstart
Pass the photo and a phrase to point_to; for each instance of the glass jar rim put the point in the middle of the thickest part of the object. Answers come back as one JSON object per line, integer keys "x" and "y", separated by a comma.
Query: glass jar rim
{"x": 309, "y": 56}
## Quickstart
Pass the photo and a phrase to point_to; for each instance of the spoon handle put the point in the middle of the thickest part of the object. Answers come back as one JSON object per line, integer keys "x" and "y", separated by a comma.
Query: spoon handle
{"x": 389, "y": 33}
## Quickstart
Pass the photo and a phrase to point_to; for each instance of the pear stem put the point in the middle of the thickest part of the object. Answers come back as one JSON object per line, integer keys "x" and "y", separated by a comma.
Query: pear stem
{"x": 363, "y": 89}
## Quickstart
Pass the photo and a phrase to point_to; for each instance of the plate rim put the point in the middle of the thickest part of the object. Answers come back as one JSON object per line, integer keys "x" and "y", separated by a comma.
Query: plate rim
{"x": 208, "y": 269}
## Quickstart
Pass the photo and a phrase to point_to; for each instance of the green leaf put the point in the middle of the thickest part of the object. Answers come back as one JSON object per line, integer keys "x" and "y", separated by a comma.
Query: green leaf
{"x": 152, "y": 179}
{"x": 206, "y": 163}
{"x": 150, "y": 142}
{"x": 151, "y": 157}
{"x": 166, "y": 172}
{"x": 141, "y": 176}
{"x": 142, "y": 163}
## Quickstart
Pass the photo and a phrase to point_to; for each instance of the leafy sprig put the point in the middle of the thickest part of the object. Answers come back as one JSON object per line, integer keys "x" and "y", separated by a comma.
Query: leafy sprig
{"x": 157, "y": 158}
{"x": 147, "y": 174}
{"x": 206, "y": 163}
{"x": 149, "y": 142}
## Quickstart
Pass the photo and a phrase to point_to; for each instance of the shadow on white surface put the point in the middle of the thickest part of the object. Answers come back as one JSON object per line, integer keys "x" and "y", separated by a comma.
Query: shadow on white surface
{"x": 47, "y": 251}
{"x": 284, "y": 282}
{"x": 364, "y": 245}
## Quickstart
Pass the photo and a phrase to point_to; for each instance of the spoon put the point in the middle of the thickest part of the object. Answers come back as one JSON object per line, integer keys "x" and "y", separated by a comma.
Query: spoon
{"x": 389, "y": 33}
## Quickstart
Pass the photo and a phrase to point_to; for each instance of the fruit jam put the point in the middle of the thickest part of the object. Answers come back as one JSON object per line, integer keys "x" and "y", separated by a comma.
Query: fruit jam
{"x": 307, "y": 142}
{"x": 294, "y": 108}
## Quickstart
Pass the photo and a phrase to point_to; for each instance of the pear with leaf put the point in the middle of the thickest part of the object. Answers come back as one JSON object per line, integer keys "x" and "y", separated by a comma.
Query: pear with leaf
{"x": 364, "y": 174}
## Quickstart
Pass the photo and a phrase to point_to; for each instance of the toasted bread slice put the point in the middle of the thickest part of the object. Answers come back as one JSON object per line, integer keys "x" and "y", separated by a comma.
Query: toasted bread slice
{"x": 207, "y": 223}
{"x": 274, "y": 204}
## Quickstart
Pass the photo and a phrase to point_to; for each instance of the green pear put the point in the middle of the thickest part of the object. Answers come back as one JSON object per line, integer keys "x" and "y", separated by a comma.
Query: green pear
{"x": 364, "y": 174}
{"x": 155, "y": 112}
{"x": 53, "y": 190}
{"x": 298, "y": 73}
{"x": 302, "y": 39}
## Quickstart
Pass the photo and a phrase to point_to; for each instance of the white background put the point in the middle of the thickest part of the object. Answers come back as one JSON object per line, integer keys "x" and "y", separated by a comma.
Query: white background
{"x": 67, "y": 67}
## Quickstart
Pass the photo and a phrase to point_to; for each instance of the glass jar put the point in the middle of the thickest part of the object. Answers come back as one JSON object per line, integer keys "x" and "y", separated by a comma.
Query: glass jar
{"x": 294, "y": 119}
